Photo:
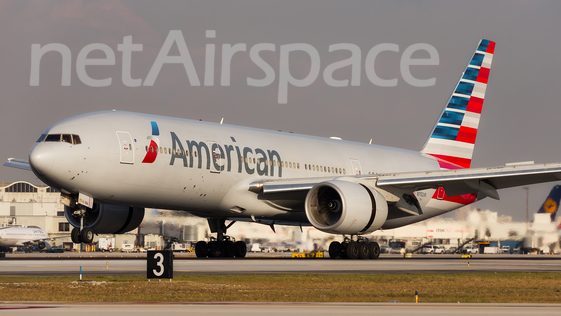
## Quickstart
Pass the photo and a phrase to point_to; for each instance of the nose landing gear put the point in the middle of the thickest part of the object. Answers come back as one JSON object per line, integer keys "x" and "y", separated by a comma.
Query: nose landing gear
{"x": 222, "y": 245}
{"x": 81, "y": 234}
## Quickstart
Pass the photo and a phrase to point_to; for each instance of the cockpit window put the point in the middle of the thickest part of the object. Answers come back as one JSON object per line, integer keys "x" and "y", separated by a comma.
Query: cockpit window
{"x": 67, "y": 138}
{"x": 76, "y": 139}
{"x": 53, "y": 138}
{"x": 41, "y": 138}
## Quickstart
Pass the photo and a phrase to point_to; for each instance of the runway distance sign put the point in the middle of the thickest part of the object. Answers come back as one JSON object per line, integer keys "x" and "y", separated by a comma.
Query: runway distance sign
{"x": 159, "y": 264}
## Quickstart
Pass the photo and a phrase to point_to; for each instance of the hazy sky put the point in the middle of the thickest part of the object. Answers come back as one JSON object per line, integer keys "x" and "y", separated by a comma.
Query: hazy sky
{"x": 520, "y": 114}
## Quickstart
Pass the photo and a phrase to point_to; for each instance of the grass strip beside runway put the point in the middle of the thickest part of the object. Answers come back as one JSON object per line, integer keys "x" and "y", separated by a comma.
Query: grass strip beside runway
{"x": 434, "y": 288}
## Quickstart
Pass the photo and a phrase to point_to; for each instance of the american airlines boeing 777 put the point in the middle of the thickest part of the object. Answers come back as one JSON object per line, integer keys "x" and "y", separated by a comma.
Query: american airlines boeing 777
{"x": 112, "y": 165}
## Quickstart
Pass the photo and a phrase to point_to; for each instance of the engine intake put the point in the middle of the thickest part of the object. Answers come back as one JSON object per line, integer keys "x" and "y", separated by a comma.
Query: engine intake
{"x": 108, "y": 219}
{"x": 342, "y": 207}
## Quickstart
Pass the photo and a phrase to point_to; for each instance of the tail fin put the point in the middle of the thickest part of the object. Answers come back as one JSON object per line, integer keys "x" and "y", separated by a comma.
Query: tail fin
{"x": 551, "y": 204}
{"x": 452, "y": 139}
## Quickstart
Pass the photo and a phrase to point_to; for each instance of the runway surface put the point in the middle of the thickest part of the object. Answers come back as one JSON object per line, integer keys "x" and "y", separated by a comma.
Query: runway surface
{"x": 385, "y": 264}
{"x": 274, "y": 309}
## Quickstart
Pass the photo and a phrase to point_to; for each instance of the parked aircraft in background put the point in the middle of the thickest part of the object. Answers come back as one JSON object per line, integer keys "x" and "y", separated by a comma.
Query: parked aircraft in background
{"x": 27, "y": 237}
{"x": 112, "y": 165}
{"x": 551, "y": 204}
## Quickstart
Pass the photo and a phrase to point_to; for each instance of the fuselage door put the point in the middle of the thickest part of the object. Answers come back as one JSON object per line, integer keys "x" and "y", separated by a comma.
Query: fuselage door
{"x": 126, "y": 147}
{"x": 356, "y": 167}
{"x": 217, "y": 157}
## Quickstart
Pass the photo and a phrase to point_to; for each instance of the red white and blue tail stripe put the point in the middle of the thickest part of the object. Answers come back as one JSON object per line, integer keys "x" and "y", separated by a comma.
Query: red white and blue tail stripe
{"x": 452, "y": 139}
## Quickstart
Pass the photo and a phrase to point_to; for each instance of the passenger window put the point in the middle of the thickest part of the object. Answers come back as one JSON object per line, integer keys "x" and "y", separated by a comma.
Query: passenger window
{"x": 165, "y": 150}
{"x": 41, "y": 138}
{"x": 53, "y": 138}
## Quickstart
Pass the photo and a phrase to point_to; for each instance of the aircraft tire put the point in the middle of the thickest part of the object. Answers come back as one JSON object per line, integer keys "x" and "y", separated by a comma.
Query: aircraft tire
{"x": 229, "y": 249}
{"x": 363, "y": 250}
{"x": 352, "y": 250}
{"x": 75, "y": 235}
{"x": 335, "y": 250}
{"x": 214, "y": 249}
{"x": 374, "y": 252}
{"x": 241, "y": 249}
{"x": 201, "y": 249}
{"x": 86, "y": 235}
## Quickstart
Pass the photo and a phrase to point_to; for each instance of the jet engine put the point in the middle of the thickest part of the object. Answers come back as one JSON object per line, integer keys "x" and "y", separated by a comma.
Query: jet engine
{"x": 107, "y": 219}
{"x": 44, "y": 245}
{"x": 342, "y": 207}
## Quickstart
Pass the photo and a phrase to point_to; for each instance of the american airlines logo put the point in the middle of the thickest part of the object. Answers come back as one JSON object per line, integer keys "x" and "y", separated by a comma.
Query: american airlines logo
{"x": 278, "y": 72}
{"x": 226, "y": 157}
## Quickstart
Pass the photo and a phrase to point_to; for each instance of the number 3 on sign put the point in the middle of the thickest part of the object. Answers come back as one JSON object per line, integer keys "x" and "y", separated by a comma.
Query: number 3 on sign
{"x": 159, "y": 264}
{"x": 158, "y": 256}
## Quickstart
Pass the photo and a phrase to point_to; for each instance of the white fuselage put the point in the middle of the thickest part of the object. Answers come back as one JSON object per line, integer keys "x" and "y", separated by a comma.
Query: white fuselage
{"x": 108, "y": 165}
{"x": 19, "y": 237}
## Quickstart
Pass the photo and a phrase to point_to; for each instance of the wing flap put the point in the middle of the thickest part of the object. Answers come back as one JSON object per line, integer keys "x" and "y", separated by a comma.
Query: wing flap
{"x": 18, "y": 163}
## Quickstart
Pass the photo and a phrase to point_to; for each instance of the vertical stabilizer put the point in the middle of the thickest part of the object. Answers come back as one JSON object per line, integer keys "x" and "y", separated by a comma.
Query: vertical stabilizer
{"x": 452, "y": 139}
{"x": 551, "y": 204}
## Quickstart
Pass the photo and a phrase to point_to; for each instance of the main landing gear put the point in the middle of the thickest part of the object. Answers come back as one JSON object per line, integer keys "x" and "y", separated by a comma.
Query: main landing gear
{"x": 359, "y": 249}
{"x": 81, "y": 234}
{"x": 222, "y": 245}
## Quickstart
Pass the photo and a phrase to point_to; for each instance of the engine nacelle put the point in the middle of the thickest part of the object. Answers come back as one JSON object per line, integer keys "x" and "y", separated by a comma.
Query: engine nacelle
{"x": 44, "y": 245}
{"x": 108, "y": 219}
{"x": 342, "y": 207}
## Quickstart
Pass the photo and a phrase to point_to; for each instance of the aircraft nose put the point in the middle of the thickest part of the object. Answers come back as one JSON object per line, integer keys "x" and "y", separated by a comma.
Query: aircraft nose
{"x": 41, "y": 158}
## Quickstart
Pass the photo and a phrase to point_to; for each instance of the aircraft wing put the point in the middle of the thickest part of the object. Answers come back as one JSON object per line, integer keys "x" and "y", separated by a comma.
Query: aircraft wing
{"x": 455, "y": 182}
{"x": 465, "y": 181}
{"x": 47, "y": 238}
{"x": 18, "y": 163}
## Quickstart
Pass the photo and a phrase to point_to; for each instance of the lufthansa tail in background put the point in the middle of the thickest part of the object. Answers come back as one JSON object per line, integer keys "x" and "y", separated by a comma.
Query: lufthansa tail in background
{"x": 112, "y": 165}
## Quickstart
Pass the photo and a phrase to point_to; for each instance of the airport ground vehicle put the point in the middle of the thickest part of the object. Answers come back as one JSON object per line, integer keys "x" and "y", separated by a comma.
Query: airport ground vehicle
{"x": 56, "y": 249}
{"x": 438, "y": 249}
{"x": 471, "y": 249}
{"x": 427, "y": 250}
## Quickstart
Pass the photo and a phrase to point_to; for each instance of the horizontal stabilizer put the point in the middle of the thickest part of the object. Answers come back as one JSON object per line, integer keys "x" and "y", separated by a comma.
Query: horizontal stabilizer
{"x": 18, "y": 163}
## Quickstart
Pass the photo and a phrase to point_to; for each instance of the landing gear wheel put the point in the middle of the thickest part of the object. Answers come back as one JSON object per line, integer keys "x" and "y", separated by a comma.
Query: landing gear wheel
{"x": 87, "y": 235}
{"x": 240, "y": 249}
{"x": 215, "y": 249}
{"x": 75, "y": 235}
{"x": 363, "y": 250}
{"x": 352, "y": 250}
{"x": 201, "y": 249}
{"x": 229, "y": 249}
{"x": 334, "y": 250}
{"x": 374, "y": 250}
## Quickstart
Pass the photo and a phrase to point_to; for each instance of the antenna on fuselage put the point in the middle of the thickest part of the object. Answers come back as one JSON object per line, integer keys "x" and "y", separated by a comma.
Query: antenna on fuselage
{"x": 222, "y": 121}
{"x": 370, "y": 142}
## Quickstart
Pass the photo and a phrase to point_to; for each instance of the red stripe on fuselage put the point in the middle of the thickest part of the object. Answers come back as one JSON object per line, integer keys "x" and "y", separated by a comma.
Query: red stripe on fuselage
{"x": 152, "y": 153}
